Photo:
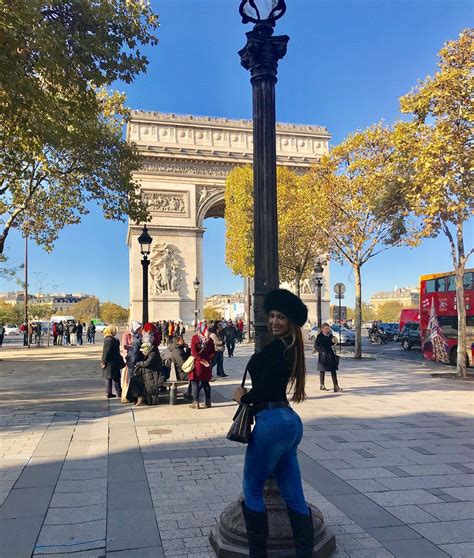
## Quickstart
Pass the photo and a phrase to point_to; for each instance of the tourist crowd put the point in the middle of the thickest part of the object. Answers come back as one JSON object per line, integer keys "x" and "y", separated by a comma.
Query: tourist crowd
{"x": 137, "y": 370}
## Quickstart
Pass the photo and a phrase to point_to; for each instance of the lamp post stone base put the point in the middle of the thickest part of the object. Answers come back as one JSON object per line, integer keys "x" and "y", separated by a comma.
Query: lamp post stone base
{"x": 229, "y": 537}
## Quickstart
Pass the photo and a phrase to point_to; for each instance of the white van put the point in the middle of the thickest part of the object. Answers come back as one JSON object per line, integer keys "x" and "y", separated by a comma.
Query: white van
{"x": 58, "y": 319}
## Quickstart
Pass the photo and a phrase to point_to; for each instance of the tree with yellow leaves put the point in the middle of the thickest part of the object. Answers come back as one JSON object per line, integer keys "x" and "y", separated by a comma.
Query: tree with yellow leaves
{"x": 436, "y": 153}
{"x": 298, "y": 241}
{"x": 349, "y": 189}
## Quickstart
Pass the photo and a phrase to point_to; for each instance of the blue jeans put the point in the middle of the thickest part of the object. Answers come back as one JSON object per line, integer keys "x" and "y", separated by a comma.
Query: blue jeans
{"x": 272, "y": 451}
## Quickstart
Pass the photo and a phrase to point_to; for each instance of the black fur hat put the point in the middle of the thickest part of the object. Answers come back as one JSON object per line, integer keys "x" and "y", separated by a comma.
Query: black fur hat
{"x": 287, "y": 303}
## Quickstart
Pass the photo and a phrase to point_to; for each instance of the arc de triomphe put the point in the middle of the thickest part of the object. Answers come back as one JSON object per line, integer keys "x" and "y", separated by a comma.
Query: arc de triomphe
{"x": 186, "y": 162}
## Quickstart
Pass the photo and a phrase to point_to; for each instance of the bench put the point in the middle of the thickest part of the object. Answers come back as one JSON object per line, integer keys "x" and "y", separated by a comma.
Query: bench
{"x": 173, "y": 383}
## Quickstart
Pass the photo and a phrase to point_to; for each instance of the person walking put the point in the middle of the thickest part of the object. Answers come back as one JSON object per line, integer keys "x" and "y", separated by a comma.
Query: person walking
{"x": 277, "y": 369}
{"x": 55, "y": 333}
{"x": 112, "y": 362}
{"x": 60, "y": 333}
{"x": 73, "y": 334}
{"x": 79, "y": 332}
{"x": 230, "y": 335}
{"x": 215, "y": 333}
{"x": 203, "y": 350}
{"x": 67, "y": 333}
{"x": 2, "y": 334}
{"x": 327, "y": 358}
{"x": 91, "y": 333}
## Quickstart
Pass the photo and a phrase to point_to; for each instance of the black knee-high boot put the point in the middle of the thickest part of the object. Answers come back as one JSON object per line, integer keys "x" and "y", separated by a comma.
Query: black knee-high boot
{"x": 303, "y": 533}
{"x": 256, "y": 524}
{"x": 321, "y": 381}
{"x": 334, "y": 381}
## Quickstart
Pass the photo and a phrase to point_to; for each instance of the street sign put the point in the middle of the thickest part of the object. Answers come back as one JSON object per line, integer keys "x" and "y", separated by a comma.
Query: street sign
{"x": 340, "y": 313}
{"x": 339, "y": 288}
{"x": 339, "y": 297}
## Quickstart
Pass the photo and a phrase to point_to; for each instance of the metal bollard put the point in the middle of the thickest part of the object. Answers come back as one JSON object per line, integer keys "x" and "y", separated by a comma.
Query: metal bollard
{"x": 173, "y": 394}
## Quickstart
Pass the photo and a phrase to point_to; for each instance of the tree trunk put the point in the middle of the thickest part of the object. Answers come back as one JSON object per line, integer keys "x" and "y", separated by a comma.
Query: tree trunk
{"x": 358, "y": 310}
{"x": 461, "y": 308}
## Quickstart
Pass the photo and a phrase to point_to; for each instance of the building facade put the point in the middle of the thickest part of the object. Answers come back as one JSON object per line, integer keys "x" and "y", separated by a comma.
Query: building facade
{"x": 408, "y": 297}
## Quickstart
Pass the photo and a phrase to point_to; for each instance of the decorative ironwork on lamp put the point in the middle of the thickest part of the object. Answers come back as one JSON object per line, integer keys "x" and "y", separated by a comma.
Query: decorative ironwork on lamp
{"x": 259, "y": 11}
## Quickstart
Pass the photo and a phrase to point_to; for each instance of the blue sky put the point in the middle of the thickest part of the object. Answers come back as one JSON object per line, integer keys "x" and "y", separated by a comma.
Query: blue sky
{"x": 348, "y": 62}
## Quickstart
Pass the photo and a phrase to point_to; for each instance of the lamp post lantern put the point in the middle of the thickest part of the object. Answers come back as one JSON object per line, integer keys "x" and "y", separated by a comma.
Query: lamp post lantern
{"x": 196, "y": 288}
{"x": 318, "y": 282}
{"x": 260, "y": 56}
{"x": 145, "y": 241}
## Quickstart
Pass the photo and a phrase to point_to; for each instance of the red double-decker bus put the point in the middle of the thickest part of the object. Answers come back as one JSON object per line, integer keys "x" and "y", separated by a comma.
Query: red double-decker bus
{"x": 439, "y": 319}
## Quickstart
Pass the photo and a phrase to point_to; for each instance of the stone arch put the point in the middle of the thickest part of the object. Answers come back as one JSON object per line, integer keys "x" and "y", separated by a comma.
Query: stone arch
{"x": 213, "y": 206}
{"x": 186, "y": 160}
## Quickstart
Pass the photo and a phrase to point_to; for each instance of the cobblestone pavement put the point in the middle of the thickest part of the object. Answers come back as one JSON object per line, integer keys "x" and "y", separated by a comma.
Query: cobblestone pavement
{"x": 389, "y": 461}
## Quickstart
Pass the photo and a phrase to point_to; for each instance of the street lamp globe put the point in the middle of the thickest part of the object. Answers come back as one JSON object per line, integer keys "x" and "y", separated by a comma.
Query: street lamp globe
{"x": 145, "y": 241}
{"x": 318, "y": 270}
{"x": 258, "y": 11}
{"x": 196, "y": 284}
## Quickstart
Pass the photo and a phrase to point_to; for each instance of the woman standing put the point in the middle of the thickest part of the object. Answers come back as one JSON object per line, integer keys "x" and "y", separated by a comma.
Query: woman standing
{"x": 203, "y": 350}
{"x": 215, "y": 333}
{"x": 276, "y": 369}
{"x": 112, "y": 362}
{"x": 327, "y": 358}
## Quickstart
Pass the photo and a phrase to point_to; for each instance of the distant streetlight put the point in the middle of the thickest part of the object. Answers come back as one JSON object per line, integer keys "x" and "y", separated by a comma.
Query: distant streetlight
{"x": 318, "y": 282}
{"x": 196, "y": 288}
{"x": 145, "y": 241}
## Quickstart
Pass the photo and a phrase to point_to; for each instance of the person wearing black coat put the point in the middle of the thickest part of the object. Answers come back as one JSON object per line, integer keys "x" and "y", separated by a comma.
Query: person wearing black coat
{"x": 112, "y": 362}
{"x": 179, "y": 352}
{"x": 147, "y": 379}
{"x": 327, "y": 358}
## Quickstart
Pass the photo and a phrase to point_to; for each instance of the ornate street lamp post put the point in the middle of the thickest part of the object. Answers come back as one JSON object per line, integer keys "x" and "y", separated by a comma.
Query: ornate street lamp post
{"x": 145, "y": 241}
{"x": 318, "y": 283}
{"x": 260, "y": 55}
{"x": 196, "y": 288}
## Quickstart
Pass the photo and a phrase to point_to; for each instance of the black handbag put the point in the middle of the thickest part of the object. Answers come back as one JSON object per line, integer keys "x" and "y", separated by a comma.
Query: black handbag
{"x": 242, "y": 421}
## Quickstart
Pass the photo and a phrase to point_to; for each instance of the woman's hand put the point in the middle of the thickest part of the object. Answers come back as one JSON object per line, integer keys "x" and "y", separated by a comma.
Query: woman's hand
{"x": 102, "y": 365}
{"x": 204, "y": 362}
{"x": 239, "y": 392}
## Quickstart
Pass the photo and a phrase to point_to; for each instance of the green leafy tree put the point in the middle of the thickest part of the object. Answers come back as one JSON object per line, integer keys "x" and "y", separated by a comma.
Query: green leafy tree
{"x": 39, "y": 311}
{"x": 211, "y": 313}
{"x": 86, "y": 309}
{"x": 61, "y": 144}
{"x": 389, "y": 311}
{"x": 436, "y": 153}
{"x": 299, "y": 242}
{"x": 113, "y": 313}
{"x": 349, "y": 190}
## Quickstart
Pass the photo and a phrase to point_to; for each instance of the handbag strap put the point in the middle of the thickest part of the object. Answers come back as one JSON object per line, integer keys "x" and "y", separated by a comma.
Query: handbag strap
{"x": 245, "y": 377}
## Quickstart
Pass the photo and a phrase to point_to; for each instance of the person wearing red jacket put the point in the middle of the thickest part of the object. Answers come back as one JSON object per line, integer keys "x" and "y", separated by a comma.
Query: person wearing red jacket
{"x": 203, "y": 351}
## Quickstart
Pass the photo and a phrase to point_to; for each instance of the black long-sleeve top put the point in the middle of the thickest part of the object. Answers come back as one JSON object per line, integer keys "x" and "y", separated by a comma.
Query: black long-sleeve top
{"x": 270, "y": 371}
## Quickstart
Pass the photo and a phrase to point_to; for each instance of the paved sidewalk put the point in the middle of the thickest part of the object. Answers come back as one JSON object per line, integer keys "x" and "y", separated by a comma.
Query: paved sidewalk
{"x": 389, "y": 461}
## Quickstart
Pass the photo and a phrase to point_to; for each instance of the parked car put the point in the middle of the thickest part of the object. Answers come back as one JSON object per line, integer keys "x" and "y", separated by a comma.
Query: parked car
{"x": 391, "y": 330}
{"x": 12, "y": 329}
{"x": 410, "y": 336}
{"x": 99, "y": 325}
{"x": 343, "y": 335}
